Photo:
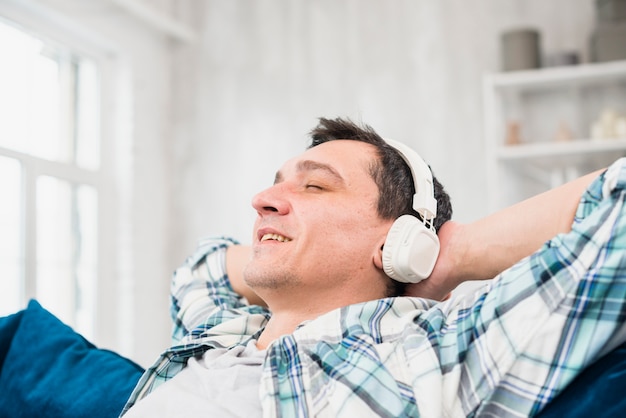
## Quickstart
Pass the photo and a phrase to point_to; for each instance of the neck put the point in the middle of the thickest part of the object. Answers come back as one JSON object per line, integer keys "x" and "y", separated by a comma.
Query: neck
{"x": 281, "y": 323}
{"x": 289, "y": 312}
{"x": 293, "y": 306}
{"x": 285, "y": 319}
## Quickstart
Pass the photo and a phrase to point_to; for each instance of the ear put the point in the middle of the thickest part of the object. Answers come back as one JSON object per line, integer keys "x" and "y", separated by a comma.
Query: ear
{"x": 378, "y": 253}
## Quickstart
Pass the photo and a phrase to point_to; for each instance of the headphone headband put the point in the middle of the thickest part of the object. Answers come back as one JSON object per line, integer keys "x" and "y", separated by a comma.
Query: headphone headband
{"x": 424, "y": 201}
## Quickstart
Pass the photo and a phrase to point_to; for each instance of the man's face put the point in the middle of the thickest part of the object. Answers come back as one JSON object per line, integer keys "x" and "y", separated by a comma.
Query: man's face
{"x": 317, "y": 226}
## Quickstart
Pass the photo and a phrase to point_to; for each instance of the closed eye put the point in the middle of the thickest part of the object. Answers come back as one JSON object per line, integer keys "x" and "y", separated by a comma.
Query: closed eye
{"x": 313, "y": 187}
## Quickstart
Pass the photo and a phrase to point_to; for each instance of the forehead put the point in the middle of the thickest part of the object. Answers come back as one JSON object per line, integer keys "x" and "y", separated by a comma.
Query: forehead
{"x": 349, "y": 158}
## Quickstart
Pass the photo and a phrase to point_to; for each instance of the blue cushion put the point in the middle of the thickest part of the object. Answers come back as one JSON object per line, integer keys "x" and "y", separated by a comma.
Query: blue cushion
{"x": 51, "y": 371}
{"x": 599, "y": 391}
{"x": 8, "y": 326}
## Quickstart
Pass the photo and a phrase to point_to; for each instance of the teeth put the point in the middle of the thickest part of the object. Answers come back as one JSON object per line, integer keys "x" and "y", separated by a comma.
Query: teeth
{"x": 274, "y": 237}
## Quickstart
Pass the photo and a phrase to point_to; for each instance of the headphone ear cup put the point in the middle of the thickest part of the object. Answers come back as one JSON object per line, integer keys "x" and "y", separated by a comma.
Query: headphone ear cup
{"x": 410, "y": 250}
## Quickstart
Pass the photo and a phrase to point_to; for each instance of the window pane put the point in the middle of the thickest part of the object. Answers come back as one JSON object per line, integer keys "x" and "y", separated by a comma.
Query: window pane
{"x": 11, "y": 260}
{"x": 30, "y": 100}
{"x": 88, "y": 116}
{"x": 87, "y": 260}
{"x": 49, "y": 100}
{"x": 66, "y": 251}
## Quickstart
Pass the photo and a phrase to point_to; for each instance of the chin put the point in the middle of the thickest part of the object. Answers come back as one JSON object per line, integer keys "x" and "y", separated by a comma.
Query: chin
{"x": 257, "y": 278}
{"x": 254, "y": 275}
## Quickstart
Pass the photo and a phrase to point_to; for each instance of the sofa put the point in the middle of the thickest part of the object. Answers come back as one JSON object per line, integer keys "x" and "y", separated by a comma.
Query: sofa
{"x": 48, "y": 370}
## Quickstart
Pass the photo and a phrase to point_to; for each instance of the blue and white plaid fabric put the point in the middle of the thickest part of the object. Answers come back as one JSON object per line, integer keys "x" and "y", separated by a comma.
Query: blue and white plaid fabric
{"x": 507, "y": 351}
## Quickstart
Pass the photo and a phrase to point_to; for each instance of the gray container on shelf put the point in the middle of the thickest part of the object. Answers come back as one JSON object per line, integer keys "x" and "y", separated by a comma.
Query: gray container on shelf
{"x": 608, "y": 42}
{"x": 520, "y": 49}
{"x": 611, "y": 10}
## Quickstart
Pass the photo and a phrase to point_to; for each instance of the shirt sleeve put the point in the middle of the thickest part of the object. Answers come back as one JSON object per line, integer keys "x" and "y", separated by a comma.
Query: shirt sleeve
{"x": 201, "y": 286}
{"x": 517, "y": 345}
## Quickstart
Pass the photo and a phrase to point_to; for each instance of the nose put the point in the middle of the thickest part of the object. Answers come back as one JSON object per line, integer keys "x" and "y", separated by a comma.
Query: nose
{"x": 272, "y": 200}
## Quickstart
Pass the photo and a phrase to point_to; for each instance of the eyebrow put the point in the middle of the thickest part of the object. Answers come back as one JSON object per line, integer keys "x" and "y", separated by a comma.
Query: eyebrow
{"x": 310, "y": 165}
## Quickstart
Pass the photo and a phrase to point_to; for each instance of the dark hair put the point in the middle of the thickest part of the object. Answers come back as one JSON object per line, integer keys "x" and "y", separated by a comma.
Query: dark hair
{"x": 391, "y": 174}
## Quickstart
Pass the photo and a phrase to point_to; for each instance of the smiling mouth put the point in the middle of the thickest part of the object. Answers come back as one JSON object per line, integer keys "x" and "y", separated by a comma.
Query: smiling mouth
{"x": 275, "y": 237}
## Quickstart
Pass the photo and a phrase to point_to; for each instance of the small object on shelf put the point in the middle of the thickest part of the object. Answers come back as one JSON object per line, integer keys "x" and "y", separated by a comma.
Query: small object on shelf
{"x": 608, "y": 42}
{"x": 611, "y": 10}
{"x": 563, "y": 133}
{"x": 609, "y": 125}
{"x": 513, "y": 134}
{"x": 520, "y": 49}
{"x": 561, "y": 58}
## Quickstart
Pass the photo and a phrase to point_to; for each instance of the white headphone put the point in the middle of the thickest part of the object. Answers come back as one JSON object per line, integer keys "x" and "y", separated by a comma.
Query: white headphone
{"x": 412, "y": 246}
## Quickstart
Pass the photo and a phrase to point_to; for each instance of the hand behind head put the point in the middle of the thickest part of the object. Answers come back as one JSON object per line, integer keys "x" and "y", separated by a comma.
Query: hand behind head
{"x": 445, "y": 276}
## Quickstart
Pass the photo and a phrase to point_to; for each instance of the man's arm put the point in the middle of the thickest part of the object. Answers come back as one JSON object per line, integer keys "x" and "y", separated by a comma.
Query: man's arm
{"x": 237, "y": 256}
{"x": 484, "y": 248}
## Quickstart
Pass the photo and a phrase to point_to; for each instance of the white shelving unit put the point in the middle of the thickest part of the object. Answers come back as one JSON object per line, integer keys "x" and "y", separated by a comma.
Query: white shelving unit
{"x": 543, "y": 104}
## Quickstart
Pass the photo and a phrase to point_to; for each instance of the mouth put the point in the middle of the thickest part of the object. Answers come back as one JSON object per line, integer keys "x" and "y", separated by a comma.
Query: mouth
{"x": 274, "y": 237}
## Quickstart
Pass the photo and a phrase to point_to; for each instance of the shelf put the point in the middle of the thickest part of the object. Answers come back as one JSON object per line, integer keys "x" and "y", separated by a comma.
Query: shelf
{"x": 552, "y": 154}
{"x": 558, "y": 149}
{"x": 538, "y": 100}
{"x": 559, "y": 76}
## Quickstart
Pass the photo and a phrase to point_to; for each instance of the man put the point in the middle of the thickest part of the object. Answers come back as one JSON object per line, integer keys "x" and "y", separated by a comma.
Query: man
{"x": 335, "y": 342}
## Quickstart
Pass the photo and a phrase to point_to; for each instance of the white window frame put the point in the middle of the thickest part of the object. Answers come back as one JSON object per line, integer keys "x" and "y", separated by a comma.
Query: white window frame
{"x": 112, "y": 180}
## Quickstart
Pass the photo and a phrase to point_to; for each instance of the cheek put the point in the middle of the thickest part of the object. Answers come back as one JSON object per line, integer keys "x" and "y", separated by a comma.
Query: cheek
{"x": 341, "y": 223}
{"x": 355, "y": 233}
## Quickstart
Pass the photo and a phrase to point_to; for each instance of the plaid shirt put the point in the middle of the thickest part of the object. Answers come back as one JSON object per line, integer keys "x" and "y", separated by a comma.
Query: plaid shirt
{"x": 507, "y": 351}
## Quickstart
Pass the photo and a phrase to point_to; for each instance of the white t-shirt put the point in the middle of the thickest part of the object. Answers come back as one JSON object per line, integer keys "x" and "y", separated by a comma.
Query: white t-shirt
{"x": 222, "y": 383}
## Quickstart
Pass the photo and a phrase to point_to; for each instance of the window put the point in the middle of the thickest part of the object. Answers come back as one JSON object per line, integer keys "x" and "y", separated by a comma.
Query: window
{"x": 11, "y": 265}
{"x": 49, "y": 177}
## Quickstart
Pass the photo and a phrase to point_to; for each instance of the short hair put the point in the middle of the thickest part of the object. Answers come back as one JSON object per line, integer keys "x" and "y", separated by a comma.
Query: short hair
{"x": 391, "y": 174}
